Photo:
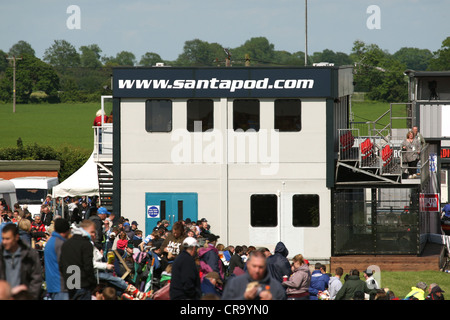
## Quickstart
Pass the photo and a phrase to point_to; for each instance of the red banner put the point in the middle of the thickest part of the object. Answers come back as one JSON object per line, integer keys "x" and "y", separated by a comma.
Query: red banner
{"x": 429, "y": 202}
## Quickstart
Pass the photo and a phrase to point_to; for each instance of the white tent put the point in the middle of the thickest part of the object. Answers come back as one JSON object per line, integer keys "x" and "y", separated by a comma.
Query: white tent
{"x": 84, "y": 182}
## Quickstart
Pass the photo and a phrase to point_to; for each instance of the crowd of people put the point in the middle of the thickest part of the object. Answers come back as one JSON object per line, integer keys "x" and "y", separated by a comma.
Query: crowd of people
{"x": 85, "y": 252}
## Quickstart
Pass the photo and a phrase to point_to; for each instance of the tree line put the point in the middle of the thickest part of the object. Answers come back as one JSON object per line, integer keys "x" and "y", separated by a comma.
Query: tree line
{"x": 68, "y": 74}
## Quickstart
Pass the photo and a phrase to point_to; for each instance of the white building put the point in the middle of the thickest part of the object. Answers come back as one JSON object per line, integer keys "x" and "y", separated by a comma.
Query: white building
{"x": 262, "y": 154}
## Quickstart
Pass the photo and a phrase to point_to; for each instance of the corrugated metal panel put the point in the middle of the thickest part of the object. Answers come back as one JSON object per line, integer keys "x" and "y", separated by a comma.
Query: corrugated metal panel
{"x": 431, "y": 121}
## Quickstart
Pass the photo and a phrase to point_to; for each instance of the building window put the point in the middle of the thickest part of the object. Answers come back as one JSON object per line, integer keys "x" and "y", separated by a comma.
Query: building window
{"x": 305, "y": 210}
{"x": 288, "y": 115}
{"x": 200, "y": 115}
{"x": 158, "y": 115}
{"x": 246, "y": 114}
{"x": 263, "y": 210}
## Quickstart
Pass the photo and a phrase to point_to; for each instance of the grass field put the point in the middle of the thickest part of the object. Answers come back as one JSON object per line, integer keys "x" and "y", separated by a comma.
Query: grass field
{"x": 48, "y": 124}
{"x": 401, "y": 282}
{"x": 373, "y": 110}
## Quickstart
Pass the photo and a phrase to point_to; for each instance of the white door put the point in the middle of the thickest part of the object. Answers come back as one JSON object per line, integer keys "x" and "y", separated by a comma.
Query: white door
{"x": 291, "y": 235}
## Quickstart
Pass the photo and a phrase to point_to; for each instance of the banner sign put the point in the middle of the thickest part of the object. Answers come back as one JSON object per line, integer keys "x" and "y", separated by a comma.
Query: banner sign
{"x": 429, "y": 202}
{"x": 168, "y": 82}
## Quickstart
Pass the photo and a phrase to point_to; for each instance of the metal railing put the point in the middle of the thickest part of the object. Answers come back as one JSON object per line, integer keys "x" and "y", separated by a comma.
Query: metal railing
{"x": 383, "y": 125}
{"x": 422, "y": 167}
{"x": 103, "y": 140}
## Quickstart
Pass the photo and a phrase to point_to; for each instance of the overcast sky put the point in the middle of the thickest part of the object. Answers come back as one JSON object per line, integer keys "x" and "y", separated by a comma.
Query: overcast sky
{"x": 163, "y": 26}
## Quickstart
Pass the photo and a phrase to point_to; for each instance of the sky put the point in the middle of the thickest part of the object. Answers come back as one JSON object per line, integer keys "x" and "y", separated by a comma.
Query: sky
{"x": 163, "y": 26}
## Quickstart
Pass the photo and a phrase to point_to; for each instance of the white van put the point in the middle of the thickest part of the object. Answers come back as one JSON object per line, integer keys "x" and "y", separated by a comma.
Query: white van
{"x": 8, "y": 192}
{"x": 32, "y": 191}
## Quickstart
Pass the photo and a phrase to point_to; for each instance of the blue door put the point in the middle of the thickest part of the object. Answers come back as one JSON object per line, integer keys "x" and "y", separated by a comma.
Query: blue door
{"x": 169, "y": 206}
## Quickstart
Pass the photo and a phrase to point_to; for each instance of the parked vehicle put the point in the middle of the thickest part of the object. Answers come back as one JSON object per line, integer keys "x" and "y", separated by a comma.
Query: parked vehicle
{"x": 32, "y": 191}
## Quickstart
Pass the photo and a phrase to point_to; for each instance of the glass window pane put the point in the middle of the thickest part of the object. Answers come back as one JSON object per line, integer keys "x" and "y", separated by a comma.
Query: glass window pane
{"x": 200, "y": 115}
{"x": 305, "y": 210}
{"x": 288, "y": 115}
{"x": 158, "y": 115}
{"x": 264, "y": 210}
{"x": 246, "y": 114}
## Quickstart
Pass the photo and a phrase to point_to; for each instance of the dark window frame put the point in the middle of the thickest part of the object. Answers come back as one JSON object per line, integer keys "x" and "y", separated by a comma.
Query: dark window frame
{"x": 314, "y": 219}
{"x": 149, "y": 124}
{"x": 205, "y": 126}
{"x": 294, "y": 123}
{"x": 246, "y": 126}
{"x": 255, "y": 214}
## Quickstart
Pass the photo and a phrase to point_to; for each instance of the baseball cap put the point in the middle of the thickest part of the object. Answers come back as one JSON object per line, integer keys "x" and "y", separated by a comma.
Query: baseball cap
{"x": 102, "y": 210}
{"x": 190, "y": 242}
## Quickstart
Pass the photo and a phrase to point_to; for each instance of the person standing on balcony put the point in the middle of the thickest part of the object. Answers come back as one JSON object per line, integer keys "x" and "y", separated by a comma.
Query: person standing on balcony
{"x": 410, "y": 154}
{"x": 418, "y": 137}
{"x": 99, "y": 116}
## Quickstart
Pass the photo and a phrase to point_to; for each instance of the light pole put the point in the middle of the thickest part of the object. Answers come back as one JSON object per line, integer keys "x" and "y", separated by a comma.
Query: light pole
{"x": 14, "y": 81}
{"x": 306, "y": 32}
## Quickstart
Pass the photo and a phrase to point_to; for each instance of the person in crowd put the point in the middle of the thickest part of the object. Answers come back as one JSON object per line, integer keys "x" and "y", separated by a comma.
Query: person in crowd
{"x": 46, "y": 215}
{"x": 352, "y": 285}
{"x": 55, "y": 282}
{"x": 209, "y": 257}
{"x": 417, "y": 292}
{"x": 435, "y": 292}
{"x": 266, "y": 252}
{"x": 171, "y": 245}
{"x": 410, "y": 154}
{"x": 236, "y": 261}
{"x": 19, "y": 264}
{"x": 370, "y": 280}
{"x": 319, "y": 281}
{"x": 297, "y": 286}
{"x": 204, "y": 228}
{"x": 78, "y": 251}
{"x": 104, "y": 273}
{"x": 185, "y": 281}
{"x": 255, "y": 283}
{"x": 99, "y": 218}
{"x": 25, "y": 231}
{"x": 335, "y": 283}
{"x": 278, "y": 264}
{"x": 38, "y": 229}
{"x": 446, "y": 212}
{"x": 212, "y": 284}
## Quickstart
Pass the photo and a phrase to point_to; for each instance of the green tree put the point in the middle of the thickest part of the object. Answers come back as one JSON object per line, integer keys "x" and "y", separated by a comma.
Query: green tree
{"x": 200, "y": 53}
{"x": 327, "y": 55}
{"x": 20, "y": 48}
{"x": 286, "y": 58}
{"x": 90, "y": 56}
{"x": 150, "y": 59}
{"x": 441, "y": 57}
{"x": 414, "y": 58}
{"x": 3, "y": 61}
{"x": 70, "y": 158}
{"x": 32, "y": 74}
{"x": 259, "y": 49}
{"x": 378, "y": 73}
{"x": 61, "y": 54}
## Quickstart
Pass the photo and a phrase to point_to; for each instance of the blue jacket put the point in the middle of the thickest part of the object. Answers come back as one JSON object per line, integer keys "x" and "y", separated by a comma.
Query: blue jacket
{"x": 278, "y": 264}
{"x": 52, "y": 252}
{"x": 319, "y": 282}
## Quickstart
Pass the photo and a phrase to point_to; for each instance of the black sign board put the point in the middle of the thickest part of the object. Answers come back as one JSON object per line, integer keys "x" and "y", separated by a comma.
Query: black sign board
{"x": 235, "y": 82}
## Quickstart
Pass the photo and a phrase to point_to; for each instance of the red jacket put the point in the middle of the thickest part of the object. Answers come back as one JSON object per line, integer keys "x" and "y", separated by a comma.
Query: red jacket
{"x": 98, "y": 120}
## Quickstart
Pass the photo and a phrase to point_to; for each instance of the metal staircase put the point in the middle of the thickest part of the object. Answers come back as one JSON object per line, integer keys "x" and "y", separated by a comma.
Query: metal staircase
{"x": 105, "y": 183}
{"x": 103, "y": 157}
{"x": 369, "y": 153}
